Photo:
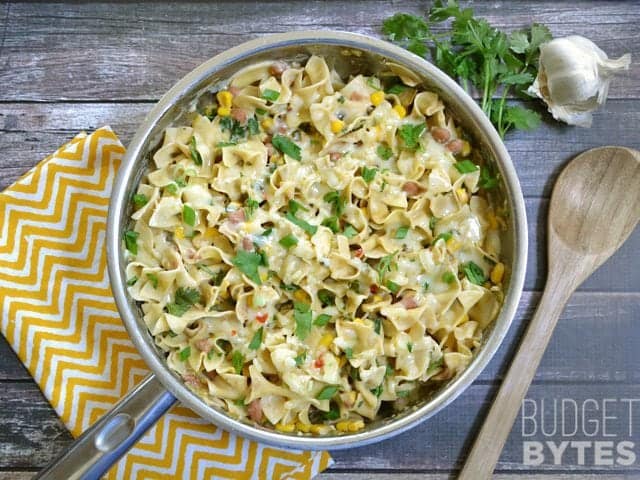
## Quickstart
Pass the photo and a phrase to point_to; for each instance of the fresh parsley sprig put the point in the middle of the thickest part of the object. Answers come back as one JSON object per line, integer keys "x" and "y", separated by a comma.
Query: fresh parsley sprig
{"x": 477, "y": 55}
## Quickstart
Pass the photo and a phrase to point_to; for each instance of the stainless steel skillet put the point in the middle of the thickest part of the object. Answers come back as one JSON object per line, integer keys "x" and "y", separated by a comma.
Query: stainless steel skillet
{"x": 98, "y": 448}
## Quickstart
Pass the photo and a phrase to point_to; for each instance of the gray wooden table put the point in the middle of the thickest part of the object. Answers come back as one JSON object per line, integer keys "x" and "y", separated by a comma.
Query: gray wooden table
{"x": 67, "y": 67}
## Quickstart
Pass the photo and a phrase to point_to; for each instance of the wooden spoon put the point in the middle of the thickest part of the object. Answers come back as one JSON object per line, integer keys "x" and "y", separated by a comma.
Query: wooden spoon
{"x": 595, "y": 206}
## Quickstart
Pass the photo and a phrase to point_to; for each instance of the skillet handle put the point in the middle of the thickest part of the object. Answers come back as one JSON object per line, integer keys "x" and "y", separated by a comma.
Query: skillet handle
{"x": 102, "y": 445}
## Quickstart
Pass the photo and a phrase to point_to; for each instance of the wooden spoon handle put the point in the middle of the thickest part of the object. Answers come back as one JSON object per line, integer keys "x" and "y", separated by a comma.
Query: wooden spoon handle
{"x": 495, "y": 430}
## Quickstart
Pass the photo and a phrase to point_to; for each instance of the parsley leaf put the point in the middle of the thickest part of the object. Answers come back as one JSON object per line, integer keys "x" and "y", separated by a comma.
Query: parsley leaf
{"x": 185, "y": 353}
{"x": 286, "y": 146}
{"x": 237, "y": 360}
{"x": 474, "y": 273}
{"x": 256, "y": 341}
{"x": 443, "y": 236}
{"x": 195, "y": 154}
{"x": 465, "y": 166}
{"x": 331, "y": 223}
{"x": 396, "y": 89}
{"x": 448, "y": 277}
{"x": 131, "y": 241}
{"x": 401, "y": 233}
{"x": 392, "y": 286}
{"x": 132, "y": 281}
{"x": 248, "y": 263}
{"x": 140, "y": 200}
{"x": 302, "y": 316}
{"x": 153, "y": 278}
{"x": 410, "y": 134}
{"x": 385, "y": 264}
{"x": 250, "y": 207}
{"x": 487, "y": 179}
{"x": 368, "y": 174}
{"x": 328, "y": 392}
{"x": 336, "y": 200}
{"x": 183, "y": 300}
{"x": 299, "y": 359}
{"x": 321, "y": 320}
{"x": 384, "y": 151}
{"x": 326, "y": 297}
{"x": 307, "y": 227}
{"x": 435, "y": 365}
{"x": 252, "y": 126}
{"x": 349, "y": 231}
{"x": 270, "y": 95}
{"x": 288, "y": 241}
{"x": 188, "y": 215}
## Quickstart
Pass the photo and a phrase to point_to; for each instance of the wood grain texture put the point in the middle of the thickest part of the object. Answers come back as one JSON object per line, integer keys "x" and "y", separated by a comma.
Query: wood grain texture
{"x": 30, "y": 131}
{"x": 71, "y": 67}
{"x": 137, "y": 51}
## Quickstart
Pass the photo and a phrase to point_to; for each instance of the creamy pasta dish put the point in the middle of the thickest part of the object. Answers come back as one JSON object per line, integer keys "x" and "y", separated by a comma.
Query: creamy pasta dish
{"x": 312, "y": 249}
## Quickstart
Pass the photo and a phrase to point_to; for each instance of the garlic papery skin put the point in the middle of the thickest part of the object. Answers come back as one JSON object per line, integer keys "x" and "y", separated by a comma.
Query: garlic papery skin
{"x": 573, "y": 78}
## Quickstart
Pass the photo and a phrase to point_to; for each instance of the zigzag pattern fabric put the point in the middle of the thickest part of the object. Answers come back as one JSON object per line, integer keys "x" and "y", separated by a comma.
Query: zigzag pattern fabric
{"x": 58, "y": 314}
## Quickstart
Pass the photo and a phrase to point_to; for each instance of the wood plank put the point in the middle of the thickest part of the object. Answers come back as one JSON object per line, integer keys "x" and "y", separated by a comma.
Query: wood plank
{"x": 31, "y": 131}
{"x": 32, "y": 435}
{"x": 580, "y": 350}
{"x": 139, "y": 51}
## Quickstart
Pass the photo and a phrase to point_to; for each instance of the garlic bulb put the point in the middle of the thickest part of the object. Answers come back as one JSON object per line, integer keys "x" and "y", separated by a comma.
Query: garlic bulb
{"x": 573, "y": 78}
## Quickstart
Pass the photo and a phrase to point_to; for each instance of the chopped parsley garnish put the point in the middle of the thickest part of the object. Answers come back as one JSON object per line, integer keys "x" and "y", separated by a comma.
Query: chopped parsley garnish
{"x": 195, "y": 154}
{"x": 267, "y": 232}
{"x": 299, "y": 359}
{"x": 188, "y": 215}
{"x": 172, "y": 188}
{"x": 448, "y": 277}
{"x": 377, "y": 391}
{"x": 377, "y": 325}
{"x": 432, "y": 222}
{"x": 397, "y": 89}
{"x": 410, "y": 347}
{"x": 487, "y": 179}
{"x": 332, "y": 414}
{"x": 253, "y": 127}
{"x": 184, "y": 299}
{"x": 328, "y": 392}
{"x": 286, "y": 146}
{"x": 140, "y": 200}
{"x": 270, "y": 95}
{"x": 374, "y": 82}
{"x": 237, "y": 360}
{"x": 326, "y": 297}
{"x": 288, "y": 241}
{"x": 341, "y": 99}
{"x": 384, "y": 151}
{"x": 368, "y": 174}
{"x": 466, "y": 166}
{"x": 295, "y": 206}
{"x": 321, "y": 320}
{"x": 307, "y": 227}
{"x": 385, "y": 264}
{"x": 388, "y": 370}
{"x": 256, "y": 341}
{"x": 131, "y": 241}
{"x": 403, "y": 393}
{"x": 250, "y": 207}
{"x": 239, "y": 402}
{"x": 289, "y": 287}
{"x": 332, "y": 223}
{"x": 474, "y": 273}
{"x": 153, "y": 278}
{"x": 410, "y": 134}
{"x": 392, "y": 286}
{"x": 335, "y": 199}
{"x": 248, "y": 263}
{"x": 260, "y": 111}
{"x": 225, "y": 144}
{"x": 217, "y": 276}
{"x": 349, "y": 231}
{"x": 401, "y": 233}
{"x": 302, "y": 316}
{"x": 185, "y": 353}
{"x": 132, "y": 281}
{"x": 446, "y": 236}
{"x": 435, "y": 365}
{"x": 236, "y": 131}
{"x": 348, "y": 352}
{"x": 425, "y": 286}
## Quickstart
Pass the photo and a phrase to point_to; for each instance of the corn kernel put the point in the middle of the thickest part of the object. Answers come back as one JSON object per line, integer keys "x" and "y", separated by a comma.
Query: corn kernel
{"x": 400, "y": 110}
{"x": 264, "y": 277}
{"x": 285, "y": 427}
{"x": 319, "y": 429}
{"x": 267, "y": 123}
{"x": 179, "y": 233}
{"x": 356, "y": 425}
{"x": 342, "y": 426}
{"x": 350, "y": 397}
{"x": 326, "y": 340}
{"x": 463, "y": 196}
{"x": 300, "y": 295}
{"x": 337, "y": 126}
{"x": 497, "y": 273}
{"x": 453, "y": 245}
{"x": 303, "y": 427}
{"x": 224, "y": 111}
{"x": 224, "y": 98}
{"x": 466, "y": 148}
{"x": 377, "y": 98}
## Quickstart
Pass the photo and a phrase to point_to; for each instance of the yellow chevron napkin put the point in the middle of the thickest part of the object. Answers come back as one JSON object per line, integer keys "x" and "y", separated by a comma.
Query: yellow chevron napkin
{"x": 57, "y": 312}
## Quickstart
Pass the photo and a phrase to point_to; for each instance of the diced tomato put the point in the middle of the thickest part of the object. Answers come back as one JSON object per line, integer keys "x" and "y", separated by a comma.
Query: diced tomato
{"x": 358, "y": 252}
{"x": 234, "y": 333}
{"x": 261, "y": 317}
{"x": 373, "y": 288}
{"x": 318, "y": 363}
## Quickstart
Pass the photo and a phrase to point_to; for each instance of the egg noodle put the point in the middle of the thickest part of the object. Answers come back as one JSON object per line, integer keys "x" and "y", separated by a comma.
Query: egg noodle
{"x": 309, "y": 250}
